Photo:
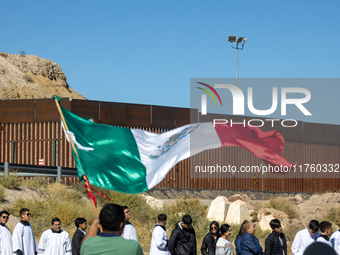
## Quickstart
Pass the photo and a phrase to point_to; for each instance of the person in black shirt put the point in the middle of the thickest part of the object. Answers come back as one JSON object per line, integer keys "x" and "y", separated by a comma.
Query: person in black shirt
{"x": 209, "y": 241}
{"x": 79, "y": 235}
{"x": 276, "y": 242}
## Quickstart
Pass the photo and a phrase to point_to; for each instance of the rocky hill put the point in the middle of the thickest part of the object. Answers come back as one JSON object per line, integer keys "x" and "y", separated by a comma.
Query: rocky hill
{"x": 29, "y": 76}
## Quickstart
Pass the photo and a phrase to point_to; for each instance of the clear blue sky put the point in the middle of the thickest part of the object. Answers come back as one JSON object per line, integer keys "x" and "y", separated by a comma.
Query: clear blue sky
{"x": 146, "y": 51}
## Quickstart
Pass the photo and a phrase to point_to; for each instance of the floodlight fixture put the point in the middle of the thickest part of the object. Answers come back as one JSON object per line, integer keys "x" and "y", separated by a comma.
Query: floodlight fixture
{"x": 232, "y": 38}
{"x": 239, "y": 39}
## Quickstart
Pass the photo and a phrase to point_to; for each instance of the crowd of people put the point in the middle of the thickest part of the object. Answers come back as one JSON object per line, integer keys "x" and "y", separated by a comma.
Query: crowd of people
{"x": 306, "y": 242}
{"x": 113, "y": 233}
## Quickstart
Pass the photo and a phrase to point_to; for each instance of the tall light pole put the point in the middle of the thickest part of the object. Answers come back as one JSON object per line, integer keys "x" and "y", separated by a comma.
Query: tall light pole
{"x": 238, "y": 40}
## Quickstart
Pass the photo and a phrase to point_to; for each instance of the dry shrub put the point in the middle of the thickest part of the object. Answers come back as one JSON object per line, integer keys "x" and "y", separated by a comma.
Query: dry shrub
{"x": 12, "y": 181}
{"x": 333, "y": 215}
{"x": 282, "y": 204}
{"x": 35, "y": 182}
{"x": 254, "y": 214}
{"x": 2, "y": 193}
{"x": 28, "y": 78}
{"x": 291, "y": 230}
{"x": 62, "y": 203}
{"x": 198, "y": 213}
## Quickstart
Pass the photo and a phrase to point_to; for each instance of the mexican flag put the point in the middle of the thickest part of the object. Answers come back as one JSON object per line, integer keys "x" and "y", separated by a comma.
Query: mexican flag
{"x": 133, "y": 160}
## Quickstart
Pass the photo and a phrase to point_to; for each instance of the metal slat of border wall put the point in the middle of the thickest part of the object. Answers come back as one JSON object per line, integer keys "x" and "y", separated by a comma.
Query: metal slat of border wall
{"x": 163, "y": 117}
{"x": 13, "y": 111}
{"x": 86, "y": 109}
{"x": 46, "y": 110}
{"x": 138, "y": 115}
{"x": 113, "y": 113}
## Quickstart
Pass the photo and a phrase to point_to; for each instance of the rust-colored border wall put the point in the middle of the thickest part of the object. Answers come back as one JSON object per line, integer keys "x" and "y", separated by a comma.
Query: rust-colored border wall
{"x": 32, "y": 125}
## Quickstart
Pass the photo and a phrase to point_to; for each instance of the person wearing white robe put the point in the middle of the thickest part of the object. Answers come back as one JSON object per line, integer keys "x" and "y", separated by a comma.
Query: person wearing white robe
{"x": 335, "y": 240}
{"x": 6, "y": 246}
{"x": 55, "y": 241}
{"x": 159, "y": 239}
{"x": 129, "y": 232}
{"x": 326, "y": 231}
{"x": 23, "y": 239}
{"x": 305, "y": 237}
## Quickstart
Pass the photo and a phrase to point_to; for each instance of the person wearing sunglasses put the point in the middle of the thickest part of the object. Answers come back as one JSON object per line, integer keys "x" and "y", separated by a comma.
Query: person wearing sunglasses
{"x": 6, "y": 247}
{"x": 209, "y": 241}
{"x": 24, "y": 242}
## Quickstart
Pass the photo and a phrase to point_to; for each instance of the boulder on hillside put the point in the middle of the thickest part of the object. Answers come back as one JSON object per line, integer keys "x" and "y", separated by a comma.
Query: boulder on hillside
{"x": 264, "y": 223}
{"x": 298, "y": 199}
{"x": 237, "y": 213}
{"x": 271, "y": 211}
{"x": 218, "y": 209}
{"x": 281, "y": 216}
{"x": 153, "y": 202}
{"x": 236, "y": 197}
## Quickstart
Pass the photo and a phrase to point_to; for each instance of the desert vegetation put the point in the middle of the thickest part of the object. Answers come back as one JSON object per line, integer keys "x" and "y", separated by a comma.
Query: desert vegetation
{"x": 68, "y": 203}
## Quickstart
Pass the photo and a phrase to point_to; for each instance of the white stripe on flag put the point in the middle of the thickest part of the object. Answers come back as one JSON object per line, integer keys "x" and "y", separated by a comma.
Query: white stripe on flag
{"x": 160, "y": 152}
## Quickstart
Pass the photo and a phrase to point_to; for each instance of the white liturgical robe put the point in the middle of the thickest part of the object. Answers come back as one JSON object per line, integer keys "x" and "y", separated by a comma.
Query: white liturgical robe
{"x": 159, "y": 241}
{"x": 129, "y": 232}
{"x": 54, "y": 243}
{"x": 6, "y": 247}
{"x": 23, "y": 239}
{"x": 302, "y": 240}
{"x": 335, "y": 240}
{"x": 322, "y": 239}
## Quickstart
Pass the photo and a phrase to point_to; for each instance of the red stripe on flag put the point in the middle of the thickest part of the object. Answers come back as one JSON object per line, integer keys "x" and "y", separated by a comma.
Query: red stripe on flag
{"x": 267, "y": 146}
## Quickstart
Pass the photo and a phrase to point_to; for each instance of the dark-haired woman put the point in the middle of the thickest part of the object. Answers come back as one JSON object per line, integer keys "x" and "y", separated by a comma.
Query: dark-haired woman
{"x": 243, "y": 229}
{"x": 209, "y": 241}
{"x": 223, "y": 245}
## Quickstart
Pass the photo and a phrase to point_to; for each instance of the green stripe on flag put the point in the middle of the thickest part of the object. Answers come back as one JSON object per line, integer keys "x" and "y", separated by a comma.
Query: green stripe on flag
{"x": 108, "y": 155}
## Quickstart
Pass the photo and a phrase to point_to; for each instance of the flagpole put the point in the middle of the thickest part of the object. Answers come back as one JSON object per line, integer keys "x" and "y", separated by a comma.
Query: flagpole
{"x": 73, "y": 147}
{"x": 65, "y": 125}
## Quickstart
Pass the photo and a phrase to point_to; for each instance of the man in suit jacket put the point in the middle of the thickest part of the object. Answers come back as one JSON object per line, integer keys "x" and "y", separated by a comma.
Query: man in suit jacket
{"x": 79, "y": 235}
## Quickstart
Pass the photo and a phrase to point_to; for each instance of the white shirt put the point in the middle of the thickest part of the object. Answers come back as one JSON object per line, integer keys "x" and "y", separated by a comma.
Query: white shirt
{"x": 335, "y": 240}
{"x": 24, "y": 240}
{"x": 323, "y": 240}
{"x": 6, "y": 246}
{"x": 224, "y": 247}
{"x": 302, "y": 240}
{"x": 129, "y": 232}
{"x": 159, "y": 241}
{"x": 52, "y": 243}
